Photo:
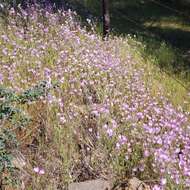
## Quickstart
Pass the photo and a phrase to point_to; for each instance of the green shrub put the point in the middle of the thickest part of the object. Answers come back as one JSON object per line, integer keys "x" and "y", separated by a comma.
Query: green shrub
{"x": 12, "y": 118}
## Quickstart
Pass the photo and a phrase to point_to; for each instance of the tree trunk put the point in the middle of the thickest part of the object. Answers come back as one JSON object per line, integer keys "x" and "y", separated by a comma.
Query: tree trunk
{"x": 106, "y": 18}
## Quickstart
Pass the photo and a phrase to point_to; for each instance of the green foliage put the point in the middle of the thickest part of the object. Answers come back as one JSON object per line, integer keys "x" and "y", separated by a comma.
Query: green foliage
{"x": 11, "y": 113}
{"x": 34, "y": 93}
{"x": 7, "y": 141}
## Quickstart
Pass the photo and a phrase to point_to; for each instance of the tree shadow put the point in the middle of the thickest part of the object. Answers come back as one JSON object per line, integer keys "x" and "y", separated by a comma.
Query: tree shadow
{"x": 130, "y": 19}
{"x": 164, "y": 25}
{"x": 178, "y": 38}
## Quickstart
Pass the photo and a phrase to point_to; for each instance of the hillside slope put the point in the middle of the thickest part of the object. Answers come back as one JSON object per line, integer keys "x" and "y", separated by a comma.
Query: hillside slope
{"x": 97, "y": 108}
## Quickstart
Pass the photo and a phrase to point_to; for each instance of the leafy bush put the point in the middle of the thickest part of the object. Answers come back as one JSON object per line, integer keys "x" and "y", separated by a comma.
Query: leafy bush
{"x": 12, "y": 118}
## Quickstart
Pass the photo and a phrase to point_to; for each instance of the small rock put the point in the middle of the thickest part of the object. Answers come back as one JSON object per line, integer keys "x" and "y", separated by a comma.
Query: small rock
{"x": 136, "y": 184}
{"x": 91, "y": 185}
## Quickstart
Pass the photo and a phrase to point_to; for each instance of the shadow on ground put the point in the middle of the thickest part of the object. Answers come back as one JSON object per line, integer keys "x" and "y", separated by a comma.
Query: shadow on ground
{"x": 131, "y": 17}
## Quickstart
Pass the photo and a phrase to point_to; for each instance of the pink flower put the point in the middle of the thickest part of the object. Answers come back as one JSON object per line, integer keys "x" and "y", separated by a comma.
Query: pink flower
{"x": 36, "y": 169}
{"x": 163, "y": 181}
{"x": 156, "y": 187}
{"x": 39, "y": 171}
{"x": 1, "y": 78}
{"x": 110, "y": 132}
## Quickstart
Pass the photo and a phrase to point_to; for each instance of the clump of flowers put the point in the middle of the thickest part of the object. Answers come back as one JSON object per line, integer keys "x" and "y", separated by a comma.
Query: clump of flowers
{"x": 39, "y": 171}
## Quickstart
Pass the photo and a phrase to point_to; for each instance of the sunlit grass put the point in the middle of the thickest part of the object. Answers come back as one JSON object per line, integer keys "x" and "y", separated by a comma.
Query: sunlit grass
{"x": 167, "y": 23}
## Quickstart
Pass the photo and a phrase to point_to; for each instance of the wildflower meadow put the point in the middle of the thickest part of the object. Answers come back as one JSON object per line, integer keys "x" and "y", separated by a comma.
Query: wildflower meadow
{"x": 78, "y": 107}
